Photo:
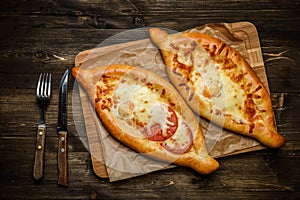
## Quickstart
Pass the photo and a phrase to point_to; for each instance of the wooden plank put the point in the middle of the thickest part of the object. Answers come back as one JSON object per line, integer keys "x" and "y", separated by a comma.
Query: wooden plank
{"x": 57, "y": 7}
{"x": 131, "y": 14}
{"x": 255, "y": 179}
{"x": 167, "y": 20}
{"x": 42, "y": 50}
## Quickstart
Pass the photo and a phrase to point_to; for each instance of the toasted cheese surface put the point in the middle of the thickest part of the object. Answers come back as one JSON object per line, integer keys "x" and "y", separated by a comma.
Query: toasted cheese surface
{"x": 216, "y": 81}
{"x": 143, "y": 111}
{"x": 142, "y": 107}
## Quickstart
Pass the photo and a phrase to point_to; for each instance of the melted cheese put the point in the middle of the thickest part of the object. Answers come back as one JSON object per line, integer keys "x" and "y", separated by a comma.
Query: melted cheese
{"x": 140, "y": 108}
{"x": 159, "y": 114}
{"x": 213, "y": 85}
{"x": 181, "y": 141}
{"x": 232, "y": 96}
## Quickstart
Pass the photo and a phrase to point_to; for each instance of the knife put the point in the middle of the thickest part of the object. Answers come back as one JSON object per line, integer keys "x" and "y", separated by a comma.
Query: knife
{"x": 62, "y": 131}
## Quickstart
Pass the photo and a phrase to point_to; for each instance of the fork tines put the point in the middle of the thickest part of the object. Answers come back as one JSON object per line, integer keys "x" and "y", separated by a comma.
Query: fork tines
{"x": 44, "y": 85}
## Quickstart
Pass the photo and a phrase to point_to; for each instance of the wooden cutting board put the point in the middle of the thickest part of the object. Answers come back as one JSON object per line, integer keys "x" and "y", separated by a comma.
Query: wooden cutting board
{"x": 242, "y": 31}
{"x": 93, "y": 139}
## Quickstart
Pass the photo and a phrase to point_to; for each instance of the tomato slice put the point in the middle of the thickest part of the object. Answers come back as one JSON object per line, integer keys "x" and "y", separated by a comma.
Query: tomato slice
{"x": 156, "y": 133}
{"x": 181, "y": 142}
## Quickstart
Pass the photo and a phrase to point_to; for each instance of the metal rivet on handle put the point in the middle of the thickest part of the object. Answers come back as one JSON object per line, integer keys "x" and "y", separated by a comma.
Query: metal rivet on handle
{"x": 62, "y": 150}
{"x": 39, "y": 147}
{"x": 41, "y": 133}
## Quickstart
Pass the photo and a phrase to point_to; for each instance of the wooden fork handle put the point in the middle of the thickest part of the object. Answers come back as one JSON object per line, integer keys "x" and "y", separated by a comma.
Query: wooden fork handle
{"x": 39, "y": 158}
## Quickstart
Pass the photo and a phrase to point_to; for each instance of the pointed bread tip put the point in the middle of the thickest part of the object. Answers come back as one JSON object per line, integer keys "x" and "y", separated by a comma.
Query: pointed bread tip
{"x": 278, "y": 141}
{"x": 271, "y": 139}
{"x": 204, "y": 165}
{"x": 75, "y": 71}
{"x": 158, "y": 36}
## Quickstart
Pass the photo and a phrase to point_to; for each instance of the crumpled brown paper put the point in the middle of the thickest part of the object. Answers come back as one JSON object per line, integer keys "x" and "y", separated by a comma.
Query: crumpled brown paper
{"x": 119, "y": 161}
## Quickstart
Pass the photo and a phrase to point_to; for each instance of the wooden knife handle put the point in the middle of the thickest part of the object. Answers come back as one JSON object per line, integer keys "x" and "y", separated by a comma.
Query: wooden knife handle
{"x": 62, "y": 162}
{"x": 39, "y": 157}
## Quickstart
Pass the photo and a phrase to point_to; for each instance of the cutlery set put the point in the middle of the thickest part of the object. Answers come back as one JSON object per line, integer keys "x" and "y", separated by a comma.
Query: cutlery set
{"x": 43, "y": 93}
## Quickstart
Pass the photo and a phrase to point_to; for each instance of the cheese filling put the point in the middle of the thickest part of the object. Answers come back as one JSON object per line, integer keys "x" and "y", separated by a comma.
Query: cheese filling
{"x": 142, "y": 111}
{"x": 140, "y": 108}
{"x": 159, "y": 114}
{"x": 217, "y": 84}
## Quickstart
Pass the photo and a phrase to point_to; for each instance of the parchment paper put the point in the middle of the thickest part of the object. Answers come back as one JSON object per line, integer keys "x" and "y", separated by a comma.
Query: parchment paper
{"x": 122, "y": 162}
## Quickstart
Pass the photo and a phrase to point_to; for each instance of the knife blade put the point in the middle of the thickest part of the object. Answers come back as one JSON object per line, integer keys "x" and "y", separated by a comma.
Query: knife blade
{"x": 62, "y": 131}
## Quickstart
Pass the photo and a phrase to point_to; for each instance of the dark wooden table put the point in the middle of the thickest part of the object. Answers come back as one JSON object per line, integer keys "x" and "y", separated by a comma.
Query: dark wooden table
{"x": 45, "y": 36}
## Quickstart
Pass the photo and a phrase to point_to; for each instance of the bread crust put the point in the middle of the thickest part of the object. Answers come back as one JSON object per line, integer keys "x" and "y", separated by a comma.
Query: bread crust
{"x": 264, "y": 132}
{"x": 196, "y": 158}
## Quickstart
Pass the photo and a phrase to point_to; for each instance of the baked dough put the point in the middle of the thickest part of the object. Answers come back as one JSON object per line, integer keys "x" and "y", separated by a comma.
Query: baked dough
{"x": 218, "y": 84}
{"x": 145, "y": 112}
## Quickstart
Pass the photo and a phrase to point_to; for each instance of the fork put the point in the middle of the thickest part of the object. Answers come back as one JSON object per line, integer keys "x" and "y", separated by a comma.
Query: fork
{"x": 43, "y": 92}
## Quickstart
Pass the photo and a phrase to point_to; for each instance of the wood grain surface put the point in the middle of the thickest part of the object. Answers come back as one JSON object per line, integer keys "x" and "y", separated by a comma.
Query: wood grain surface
{"x": 46, "y": 35}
